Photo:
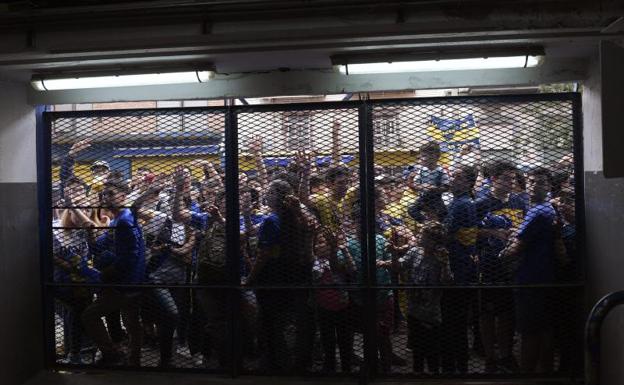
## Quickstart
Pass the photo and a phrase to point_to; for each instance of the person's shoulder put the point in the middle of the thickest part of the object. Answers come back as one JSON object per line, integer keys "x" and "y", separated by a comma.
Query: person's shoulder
{"x": 125, "y": 217}
{"x": 414, "y": 253}
{"x": 464, "y": 201}
{"x": 271, "y": 219}
{"x": 541, "y": 211}
{"x": 518, "y": 200}
{"x": 319, "y": 198}
{"x": 544, "y": 208}
{"x": 484, "y": 200}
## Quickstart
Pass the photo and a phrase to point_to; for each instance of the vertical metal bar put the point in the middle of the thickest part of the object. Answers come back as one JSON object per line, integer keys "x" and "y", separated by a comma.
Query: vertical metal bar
{"x": 579, "y": 178}
{"x": 579, "y": 204}
{"x": 44, "y": 196}
{"x": 367, "y": 189}
{"x": 232, "y": 237}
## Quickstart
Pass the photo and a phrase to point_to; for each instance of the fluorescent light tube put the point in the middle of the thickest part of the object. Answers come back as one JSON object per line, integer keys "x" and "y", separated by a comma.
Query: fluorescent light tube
{"x": 441, "y": 65}
{"x": 121, "y": 80}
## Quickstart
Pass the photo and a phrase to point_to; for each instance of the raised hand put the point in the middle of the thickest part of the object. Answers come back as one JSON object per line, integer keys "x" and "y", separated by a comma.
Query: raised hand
{"x": 181, "y": 178}
{"x": 215, "y": 212}
{"x": 330, "y": 236}
{"x": 303, "y": 160}
{"x": 79, "y": 146}
{"x": 255, "y": 145}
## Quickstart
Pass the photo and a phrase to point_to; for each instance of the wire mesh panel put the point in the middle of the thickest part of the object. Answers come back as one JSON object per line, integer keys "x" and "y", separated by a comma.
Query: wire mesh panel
{"x": 137, "y": 199}
{"x": 419, "y": 238}
{"x": 477, "y": 194}
{"x": 299, "y": 186}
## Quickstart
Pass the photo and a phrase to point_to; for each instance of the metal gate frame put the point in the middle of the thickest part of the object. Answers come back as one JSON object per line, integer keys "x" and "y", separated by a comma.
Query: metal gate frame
{"x": 366, "y": 172}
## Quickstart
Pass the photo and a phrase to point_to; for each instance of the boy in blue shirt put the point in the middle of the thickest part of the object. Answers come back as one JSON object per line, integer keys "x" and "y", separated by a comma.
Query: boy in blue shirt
{"x": 461, "y": 226}
{"x": 497, "y": 213}
{"x": 429, "y": 180}
{"x": 122, "y": 259}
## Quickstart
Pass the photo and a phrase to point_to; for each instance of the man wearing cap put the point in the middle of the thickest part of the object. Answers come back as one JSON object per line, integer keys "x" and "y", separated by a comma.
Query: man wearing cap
{"x": 100, "y": 169}
{"x": 99, "y": 172}
{"x": 121, "y": 255}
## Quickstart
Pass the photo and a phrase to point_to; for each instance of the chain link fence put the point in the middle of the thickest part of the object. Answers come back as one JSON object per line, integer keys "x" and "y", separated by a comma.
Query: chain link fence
{"x": 423, "y": 238}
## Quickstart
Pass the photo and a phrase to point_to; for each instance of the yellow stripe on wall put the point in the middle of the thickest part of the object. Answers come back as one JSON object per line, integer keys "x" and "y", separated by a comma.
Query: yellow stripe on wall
{"x": 161, "y": 164}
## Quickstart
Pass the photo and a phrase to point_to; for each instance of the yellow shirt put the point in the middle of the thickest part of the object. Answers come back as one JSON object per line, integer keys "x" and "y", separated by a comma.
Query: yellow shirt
{"x": 328, "y": 209}
{"x": 332, "y": 212}
{"x": 409, "y": 197}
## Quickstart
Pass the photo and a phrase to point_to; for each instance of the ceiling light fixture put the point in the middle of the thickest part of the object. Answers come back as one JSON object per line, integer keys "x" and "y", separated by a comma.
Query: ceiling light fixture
{"x": 523, "y": 61}
{"x": 42, "y": 83}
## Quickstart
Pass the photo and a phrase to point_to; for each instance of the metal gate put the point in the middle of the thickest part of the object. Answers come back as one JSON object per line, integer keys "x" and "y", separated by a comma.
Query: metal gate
{"x": 423, "y": 238}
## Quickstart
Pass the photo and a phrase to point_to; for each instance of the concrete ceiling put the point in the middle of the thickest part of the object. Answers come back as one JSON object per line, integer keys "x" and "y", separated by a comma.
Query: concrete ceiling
{"x": 256, "y": 35}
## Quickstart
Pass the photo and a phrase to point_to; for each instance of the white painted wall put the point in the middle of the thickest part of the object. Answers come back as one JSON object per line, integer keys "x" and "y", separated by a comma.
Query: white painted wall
{"x": 592, "y": 118}
{"x": 18, "y": 161}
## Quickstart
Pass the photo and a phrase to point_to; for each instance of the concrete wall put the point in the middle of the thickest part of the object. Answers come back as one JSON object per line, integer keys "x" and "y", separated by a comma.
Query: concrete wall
{"x": 20, "y": 326}
{"x": 605, "y": 229}
{"x": 21, "y": 335}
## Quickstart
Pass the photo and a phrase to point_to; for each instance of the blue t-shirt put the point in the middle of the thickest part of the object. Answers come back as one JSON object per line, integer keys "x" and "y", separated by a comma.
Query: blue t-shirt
{"x": 269, "y": 232}
{"x": 279, "y": 268}
{"x": 537, "y": 261}
{"x": 200, "y": 220}
{"x": 385, "y": 222}
{"x": 123, "y": 249}
{"x": 254, "y": 218}
{"x": 493, "y": 213}
{"x": 485, "y": 188}
{"x": 437, "y": 176}
{"x": 461, "y": 225}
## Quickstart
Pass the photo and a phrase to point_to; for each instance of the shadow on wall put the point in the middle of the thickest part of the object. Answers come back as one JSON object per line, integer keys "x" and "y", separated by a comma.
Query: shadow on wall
{"x": 604, "y": 205}
{"x": 21, "y": 333}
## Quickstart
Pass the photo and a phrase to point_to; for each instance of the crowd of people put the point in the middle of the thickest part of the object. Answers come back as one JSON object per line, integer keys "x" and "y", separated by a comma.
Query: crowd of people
{"x": 440, "y": 233}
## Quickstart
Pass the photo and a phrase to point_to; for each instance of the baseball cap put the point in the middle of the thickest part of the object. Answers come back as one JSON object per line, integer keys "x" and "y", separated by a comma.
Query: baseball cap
{"x": 100, "y": 163}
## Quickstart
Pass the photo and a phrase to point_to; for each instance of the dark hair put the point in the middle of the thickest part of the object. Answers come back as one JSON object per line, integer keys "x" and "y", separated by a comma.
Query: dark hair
{"x": 558, "y": 179}
{"x": 116, "y": 180}
{"x": 335, "y": 171}
{"x": 470, "y": 173}
{"x": 143, "y": 168}
{"x": 289, "y": 177}
{"x": 432, "y": 148}
{"x": 541, "y": 171}
{"x": 520, "y": 179}
{"x": 315, "y": 181}
{"x": 500, "y": 167}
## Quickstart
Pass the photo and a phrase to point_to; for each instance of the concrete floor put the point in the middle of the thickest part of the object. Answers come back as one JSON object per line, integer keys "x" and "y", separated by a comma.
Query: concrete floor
{"x": 135, "y": 378}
